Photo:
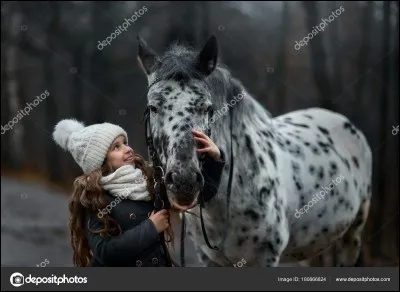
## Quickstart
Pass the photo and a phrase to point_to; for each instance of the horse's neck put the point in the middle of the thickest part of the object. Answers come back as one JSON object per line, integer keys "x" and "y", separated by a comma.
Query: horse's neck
{"x": 248, "y": 115}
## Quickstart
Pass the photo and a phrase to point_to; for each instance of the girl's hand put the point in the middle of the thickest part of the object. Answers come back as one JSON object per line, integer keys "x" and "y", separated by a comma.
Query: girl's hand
{"x": 160, "y": 220}
{"x": 209, "y": 146}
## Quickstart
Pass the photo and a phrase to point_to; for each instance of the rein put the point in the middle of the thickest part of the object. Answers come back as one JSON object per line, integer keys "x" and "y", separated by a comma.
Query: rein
{"x": 161, "y": 200}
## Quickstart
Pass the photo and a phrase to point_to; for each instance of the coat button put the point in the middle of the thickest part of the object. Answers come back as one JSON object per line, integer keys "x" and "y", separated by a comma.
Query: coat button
{"x": 138, "y": 263}
{"x": 132, "y": 216}
{"x": 154, "y": 261}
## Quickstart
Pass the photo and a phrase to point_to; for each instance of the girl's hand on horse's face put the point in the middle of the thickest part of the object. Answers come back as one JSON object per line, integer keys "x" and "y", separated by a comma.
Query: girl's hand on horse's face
{"x": 209, "y": 146}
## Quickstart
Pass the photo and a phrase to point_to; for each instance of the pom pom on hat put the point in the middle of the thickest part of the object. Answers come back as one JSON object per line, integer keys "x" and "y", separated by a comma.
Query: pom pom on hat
{"x": 64, "y": 129}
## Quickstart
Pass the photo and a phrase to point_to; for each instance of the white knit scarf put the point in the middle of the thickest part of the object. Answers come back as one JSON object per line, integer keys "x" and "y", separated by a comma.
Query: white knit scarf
{"x": 127, "y": 182}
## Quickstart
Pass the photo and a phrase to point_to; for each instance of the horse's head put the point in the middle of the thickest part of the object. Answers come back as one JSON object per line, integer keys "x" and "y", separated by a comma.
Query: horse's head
{"x": 179, "y": 100}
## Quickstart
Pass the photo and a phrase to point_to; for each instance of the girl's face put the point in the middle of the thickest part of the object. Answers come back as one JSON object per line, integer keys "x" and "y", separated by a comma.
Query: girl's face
{"x": 120, "y": 153}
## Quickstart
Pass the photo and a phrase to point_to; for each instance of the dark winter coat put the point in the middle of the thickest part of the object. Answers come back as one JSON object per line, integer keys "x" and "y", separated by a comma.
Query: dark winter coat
{"x": 139, "y": 245}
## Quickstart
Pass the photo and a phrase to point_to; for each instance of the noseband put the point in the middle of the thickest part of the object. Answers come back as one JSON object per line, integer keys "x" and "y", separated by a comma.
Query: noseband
{"x": 161, "y": 200}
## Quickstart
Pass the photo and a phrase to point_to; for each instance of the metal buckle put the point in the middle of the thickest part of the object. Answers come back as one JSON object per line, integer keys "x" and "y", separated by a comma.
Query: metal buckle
{"x": 158, "y": 174}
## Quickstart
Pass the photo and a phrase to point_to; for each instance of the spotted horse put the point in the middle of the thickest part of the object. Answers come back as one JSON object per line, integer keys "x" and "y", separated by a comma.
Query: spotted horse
{"x": 292, "y": 185}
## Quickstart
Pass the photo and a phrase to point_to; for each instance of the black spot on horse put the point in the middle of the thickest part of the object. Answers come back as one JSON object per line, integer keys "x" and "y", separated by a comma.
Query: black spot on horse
{"x": 170, "y": 107}
{"x": 323, "y": 130}
{"x": 261, "y": 160}
{"x": 240, "y": 241}
{"x": 296, "y": 167}
{"x": 300, "y": 125}
{"x": 240, "y": 180}
{"x": 355, "y": 183}
{"x": 304, "y": 228}
{"x": 278, "y": 241}
{"x": 347, "y": 163}
{"x": 249, "y": 144}
{"x": 315, "y": 150}
{"x": 307, "y": 143}
{"x": 180, "y": 114}
{"x": 174, "y": 127}
{"x": 253, "y": 215}
{"x": 321, "y": 173}
{"x": 348, "y": 125}
{"x": 355, "y": 161}
{"x": 271, "y": 247}
{"x": 265, "y": 190}
{"x": 272, "y": 156}
{"x": 170, "y": 118}
{"x": 278, "y": 218}
{"x": 255, "y": 239}
{"x": 189, "y": 110}
{"x": 311, "y": 169}
{"x": 244, "y": 229}
{"x": 325, "y": 230}
{"x": 308, "y": 116}
{"x": 184, "y": 128}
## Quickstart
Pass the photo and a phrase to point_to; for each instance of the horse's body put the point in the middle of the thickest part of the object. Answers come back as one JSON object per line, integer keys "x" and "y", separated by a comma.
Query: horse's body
{"x": 264, "y": 226}
{"x": 280, "y": 165}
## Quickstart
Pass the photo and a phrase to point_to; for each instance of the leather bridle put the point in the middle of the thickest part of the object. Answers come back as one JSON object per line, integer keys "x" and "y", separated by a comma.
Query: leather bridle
{"x": 161, "y": 200}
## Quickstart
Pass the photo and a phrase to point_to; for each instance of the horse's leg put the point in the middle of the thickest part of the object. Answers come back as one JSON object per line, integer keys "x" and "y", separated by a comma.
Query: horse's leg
{"x": 349, "y": 245}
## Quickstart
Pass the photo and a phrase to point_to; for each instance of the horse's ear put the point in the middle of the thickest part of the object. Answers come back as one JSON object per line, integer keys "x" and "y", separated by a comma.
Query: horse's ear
{"x": 147, "y": 57}
{"x": 206, "y": 60}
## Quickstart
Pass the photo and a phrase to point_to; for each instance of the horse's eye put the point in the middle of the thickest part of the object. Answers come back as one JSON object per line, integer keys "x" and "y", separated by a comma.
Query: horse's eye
{"x": 152, "y": 108}
{"x": 210, "y": 109}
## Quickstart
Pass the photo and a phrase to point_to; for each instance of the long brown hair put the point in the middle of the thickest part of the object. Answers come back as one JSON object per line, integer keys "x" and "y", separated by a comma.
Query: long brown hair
{"x": 88, "y": 196}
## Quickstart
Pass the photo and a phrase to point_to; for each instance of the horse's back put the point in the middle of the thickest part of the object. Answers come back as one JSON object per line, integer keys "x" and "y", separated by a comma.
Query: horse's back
{"x": 346, "y": 138}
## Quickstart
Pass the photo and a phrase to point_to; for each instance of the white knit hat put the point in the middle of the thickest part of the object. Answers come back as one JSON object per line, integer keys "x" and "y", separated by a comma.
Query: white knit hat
{"x": 88, "y": 145}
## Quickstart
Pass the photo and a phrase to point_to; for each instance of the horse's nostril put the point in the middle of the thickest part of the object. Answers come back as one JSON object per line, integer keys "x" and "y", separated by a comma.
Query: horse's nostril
{"x": 199, "y": 178}
{"x": 168, "y": 178}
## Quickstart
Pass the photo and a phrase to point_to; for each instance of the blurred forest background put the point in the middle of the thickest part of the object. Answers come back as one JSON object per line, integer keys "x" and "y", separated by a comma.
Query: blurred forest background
{"x": 351, "y": 67}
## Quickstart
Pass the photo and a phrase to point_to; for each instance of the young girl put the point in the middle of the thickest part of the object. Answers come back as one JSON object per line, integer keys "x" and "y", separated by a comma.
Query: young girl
{"x": 112, "y": 221}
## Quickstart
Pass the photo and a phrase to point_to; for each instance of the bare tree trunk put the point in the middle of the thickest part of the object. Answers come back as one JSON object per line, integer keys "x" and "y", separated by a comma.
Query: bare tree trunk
{"x": 337, "y": 60}
{"x": 281, "y": 59}
{"x": 5, "y": 79}
{"x": 395, "y": 79}
{"x": 182, "y": 28}
{"x": 318, "y": 56}
{"x": 99, "y": 66}
{"x": 77, "y": 86}
{"x": 384, "y": 125}
{"x": 53, "y": 166}
{"x": 16, "y": 133}
{"x": 363, "y": 56}
{"x": 204, "y": 20}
